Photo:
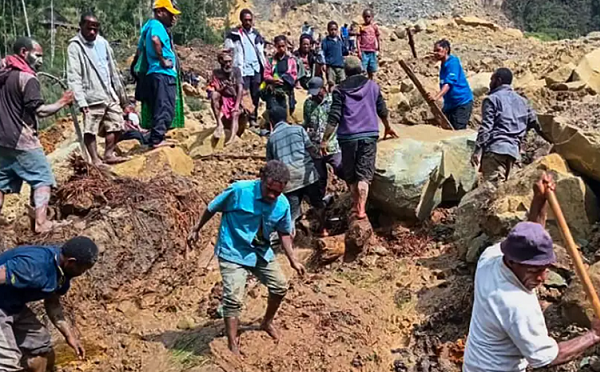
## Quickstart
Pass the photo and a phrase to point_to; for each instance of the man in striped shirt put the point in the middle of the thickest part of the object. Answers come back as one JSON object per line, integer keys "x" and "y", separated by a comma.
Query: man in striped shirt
{"x": 291, "y": 145}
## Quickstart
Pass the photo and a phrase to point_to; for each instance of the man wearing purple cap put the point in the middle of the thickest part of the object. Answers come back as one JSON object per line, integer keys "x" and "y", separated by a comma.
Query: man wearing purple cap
{"x": 508, "y": 331}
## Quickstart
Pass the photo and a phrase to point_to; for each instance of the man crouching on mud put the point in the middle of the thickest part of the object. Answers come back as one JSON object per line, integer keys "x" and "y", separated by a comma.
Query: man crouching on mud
{"x": 34, "y": 273}
{"x": 252, "y": 210}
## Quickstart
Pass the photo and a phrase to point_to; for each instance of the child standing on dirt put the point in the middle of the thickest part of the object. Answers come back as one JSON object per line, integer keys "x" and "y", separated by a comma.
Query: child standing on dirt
{"x": 334, "y": 51}
{"x": 369, "y": 44}
{"x": 251, "y": 212}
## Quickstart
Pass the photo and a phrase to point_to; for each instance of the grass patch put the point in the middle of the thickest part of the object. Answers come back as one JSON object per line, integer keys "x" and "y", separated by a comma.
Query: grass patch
{"x": 195, "y": 104}
{"x": 185, "y": 352}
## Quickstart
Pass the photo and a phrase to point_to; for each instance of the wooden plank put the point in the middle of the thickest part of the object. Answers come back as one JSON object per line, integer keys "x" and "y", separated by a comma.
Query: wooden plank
{"x": 435, "y": 109}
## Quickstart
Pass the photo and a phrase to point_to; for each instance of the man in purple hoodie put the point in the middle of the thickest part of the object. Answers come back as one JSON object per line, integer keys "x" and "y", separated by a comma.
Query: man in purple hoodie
{"x": 357, "y": 105}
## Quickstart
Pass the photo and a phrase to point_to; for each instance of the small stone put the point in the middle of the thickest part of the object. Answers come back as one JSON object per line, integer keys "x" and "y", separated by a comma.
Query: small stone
{"x": 555, "y": 280}
{"x": 380, "y": 251}
{"x": 186, "y": 323}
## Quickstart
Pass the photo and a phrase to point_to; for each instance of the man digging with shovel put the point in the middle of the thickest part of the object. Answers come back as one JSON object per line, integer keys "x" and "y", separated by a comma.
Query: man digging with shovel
{"x": 508, "y": 332}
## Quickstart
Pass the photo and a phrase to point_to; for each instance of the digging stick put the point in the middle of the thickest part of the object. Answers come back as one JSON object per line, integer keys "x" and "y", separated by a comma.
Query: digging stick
{"x": 574, "y": 253}
{"x": 73, "y": 116}
{"x": 435, "y": 109}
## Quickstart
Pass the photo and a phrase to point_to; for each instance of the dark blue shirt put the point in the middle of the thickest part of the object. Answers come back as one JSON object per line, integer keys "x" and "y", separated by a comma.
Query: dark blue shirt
{"x": 333, "y": 50}
{"x": 32, "y": 274}
{"x": 453, "y": 74}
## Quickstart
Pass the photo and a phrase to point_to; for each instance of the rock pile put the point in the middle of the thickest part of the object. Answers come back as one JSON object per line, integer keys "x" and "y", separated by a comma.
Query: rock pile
{"x": 487, "y": 214}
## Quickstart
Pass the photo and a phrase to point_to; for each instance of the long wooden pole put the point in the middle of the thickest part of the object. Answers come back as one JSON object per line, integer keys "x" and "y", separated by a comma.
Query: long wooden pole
{"x": 435, "y": 109}
{"x": 582, "y": 273}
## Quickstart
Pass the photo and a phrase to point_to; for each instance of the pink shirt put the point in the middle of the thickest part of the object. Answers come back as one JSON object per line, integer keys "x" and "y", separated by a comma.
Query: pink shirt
{"x": 368, "y": 38}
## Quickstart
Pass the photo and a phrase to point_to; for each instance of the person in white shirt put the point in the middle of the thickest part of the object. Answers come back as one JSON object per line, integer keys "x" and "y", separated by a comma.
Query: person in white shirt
{"x": 508, "y": 331}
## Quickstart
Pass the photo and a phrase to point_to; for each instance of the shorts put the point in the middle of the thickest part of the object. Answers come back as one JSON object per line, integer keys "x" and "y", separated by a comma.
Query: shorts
{"x": 369, "y": 61}
{"x": 104, "y": 118}
{"x": 30, "y": 166}
{"x": 20, "y": 334}
{"x": 234, "y": 283}
{"x": 496, "y": 167}
{"x": 315, "y": 198}
{"x": 358, "y": 160}
{"x": 335, "y": 75}
{"x": 460, "y": 116}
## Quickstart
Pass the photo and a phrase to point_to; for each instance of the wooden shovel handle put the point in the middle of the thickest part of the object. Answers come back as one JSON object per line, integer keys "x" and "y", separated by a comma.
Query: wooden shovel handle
{"x": 574, "y": 253}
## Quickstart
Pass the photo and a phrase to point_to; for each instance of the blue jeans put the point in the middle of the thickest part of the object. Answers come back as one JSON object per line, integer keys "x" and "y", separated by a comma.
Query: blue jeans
{"x": 369, "y": 61}
{"x": 234, "y": 283}
{"x": 30, "y": 166}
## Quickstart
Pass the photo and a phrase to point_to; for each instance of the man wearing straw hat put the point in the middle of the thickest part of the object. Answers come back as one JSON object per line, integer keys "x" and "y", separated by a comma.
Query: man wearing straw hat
{"x": 508, "y": 331}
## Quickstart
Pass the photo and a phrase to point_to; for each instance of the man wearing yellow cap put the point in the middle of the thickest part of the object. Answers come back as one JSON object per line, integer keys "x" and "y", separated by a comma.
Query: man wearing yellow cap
{"x": 160, "y": 84}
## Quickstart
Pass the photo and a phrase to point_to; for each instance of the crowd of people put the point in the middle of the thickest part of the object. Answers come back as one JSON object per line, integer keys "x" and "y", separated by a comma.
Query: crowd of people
{"x": 340, "y": 131}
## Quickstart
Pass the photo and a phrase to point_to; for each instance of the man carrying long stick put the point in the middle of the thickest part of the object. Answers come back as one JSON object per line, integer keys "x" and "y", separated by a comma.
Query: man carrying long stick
{"x": 508, "y": 332}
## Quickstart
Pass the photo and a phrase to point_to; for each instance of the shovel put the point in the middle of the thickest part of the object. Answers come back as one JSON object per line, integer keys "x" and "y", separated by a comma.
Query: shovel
{"x": 73, "y": 116}
{"x": 574, "y": 253}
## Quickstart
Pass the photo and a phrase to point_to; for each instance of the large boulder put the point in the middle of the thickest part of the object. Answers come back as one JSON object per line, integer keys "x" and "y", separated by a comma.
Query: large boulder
{"x": 494, "y": 211}
{"x": 156, "y": 162}
{"x": 480, "y": 83}
{"x": 580, "y": 149}
{"x": 576, "y": 306}
{"x": 422, "y": 168}
{"x": 588, "y": 70}
{"x": 560, "y": 75}
{"x": 476, "y": 22}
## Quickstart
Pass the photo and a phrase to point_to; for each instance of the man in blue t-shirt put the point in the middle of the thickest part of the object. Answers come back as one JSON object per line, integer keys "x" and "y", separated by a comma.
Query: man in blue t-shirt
{"x": 161, "y": 77}
{"x": 35, "y": 273}
{"x": 251, "y": 212}
{"x": 454, "y": 87}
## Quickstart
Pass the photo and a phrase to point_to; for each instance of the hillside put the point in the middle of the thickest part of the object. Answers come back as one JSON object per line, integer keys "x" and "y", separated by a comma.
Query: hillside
{"x": 151, "y": 303}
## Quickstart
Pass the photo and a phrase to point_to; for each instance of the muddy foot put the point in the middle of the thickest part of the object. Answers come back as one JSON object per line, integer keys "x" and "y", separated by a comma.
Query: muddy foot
{"x": 219, "y": 132}
{"x": 235, "y": 350}
{"x": 49, "y": 226}
{"x": 271, "y": 331}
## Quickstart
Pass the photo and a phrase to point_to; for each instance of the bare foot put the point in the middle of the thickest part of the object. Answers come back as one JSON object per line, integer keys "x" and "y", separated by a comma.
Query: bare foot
{"x": 49, "y": 226}
{"x": 162, "y": 144}
{"x": 235, "y": 350}
{"x": 323, "y": 233}
{"x": 219, "y": 132}
{"x": 115, "y": 159}
{"x": 271, "y": 331}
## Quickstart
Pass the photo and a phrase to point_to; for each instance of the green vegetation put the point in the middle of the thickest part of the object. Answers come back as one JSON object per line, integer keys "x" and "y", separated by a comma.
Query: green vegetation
{"x": 195, "y": 104}
{"x": 555, "y": 19}
{"x": 121, "y": 21}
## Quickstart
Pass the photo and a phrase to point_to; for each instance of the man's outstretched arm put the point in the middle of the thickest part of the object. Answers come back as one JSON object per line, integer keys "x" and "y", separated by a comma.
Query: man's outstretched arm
{"x": 55, "y": 312}
{"x": 569, "y": 350}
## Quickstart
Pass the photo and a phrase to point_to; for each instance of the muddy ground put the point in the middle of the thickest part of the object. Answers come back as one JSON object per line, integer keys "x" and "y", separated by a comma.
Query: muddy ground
{"x": 150, "y": 304}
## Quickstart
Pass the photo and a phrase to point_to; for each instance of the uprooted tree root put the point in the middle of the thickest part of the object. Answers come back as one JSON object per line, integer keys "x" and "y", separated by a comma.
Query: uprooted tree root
{"x": 140, "y": 227}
